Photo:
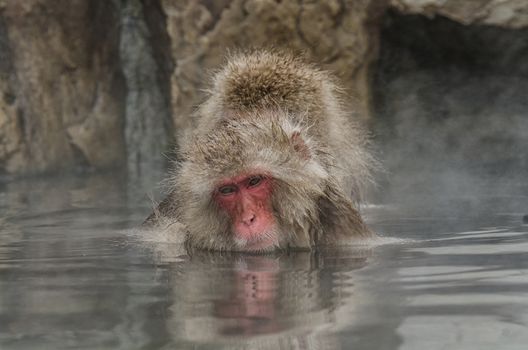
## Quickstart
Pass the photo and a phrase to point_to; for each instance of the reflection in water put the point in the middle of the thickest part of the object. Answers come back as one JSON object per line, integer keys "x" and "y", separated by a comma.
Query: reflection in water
{"x": 252, "y": 302}
{"x": 231, "y": 297}
{"x": 73, "y": 276}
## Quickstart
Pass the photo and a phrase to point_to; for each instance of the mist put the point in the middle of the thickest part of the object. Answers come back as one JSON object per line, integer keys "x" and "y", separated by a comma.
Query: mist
{"x": 451, "y": 111}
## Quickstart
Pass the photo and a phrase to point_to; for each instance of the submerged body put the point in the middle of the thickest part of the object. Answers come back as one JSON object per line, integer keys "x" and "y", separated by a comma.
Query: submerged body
{"x": 274, "y": 162}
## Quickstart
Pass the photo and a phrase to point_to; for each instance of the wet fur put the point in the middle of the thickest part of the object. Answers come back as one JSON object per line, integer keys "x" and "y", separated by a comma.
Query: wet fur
{"x": 271, "y": 112}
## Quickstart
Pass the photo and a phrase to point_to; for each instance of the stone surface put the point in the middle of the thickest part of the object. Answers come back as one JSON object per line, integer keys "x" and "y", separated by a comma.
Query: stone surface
{"x": 503, "y": 13}
{"x": 147, "y": 115}
{"x": 62, "y": 89}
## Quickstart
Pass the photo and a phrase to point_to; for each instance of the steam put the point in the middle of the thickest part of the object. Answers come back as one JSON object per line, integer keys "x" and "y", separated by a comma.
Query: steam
{"x": 452, "y": 110}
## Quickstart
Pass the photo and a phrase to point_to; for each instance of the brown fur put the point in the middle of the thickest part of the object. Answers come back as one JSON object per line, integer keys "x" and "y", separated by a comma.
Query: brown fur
{"x": 270, "y": 111}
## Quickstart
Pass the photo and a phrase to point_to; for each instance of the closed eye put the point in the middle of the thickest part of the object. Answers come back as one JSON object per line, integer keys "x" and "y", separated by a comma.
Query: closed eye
{"x": 227, "y": 190}
{"x": 254, "y": 181}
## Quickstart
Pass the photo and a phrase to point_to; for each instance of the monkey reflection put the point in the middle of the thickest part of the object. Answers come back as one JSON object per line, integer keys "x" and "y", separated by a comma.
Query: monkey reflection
{"x": 252, "y": 301}
{"x": 238, "y": 297}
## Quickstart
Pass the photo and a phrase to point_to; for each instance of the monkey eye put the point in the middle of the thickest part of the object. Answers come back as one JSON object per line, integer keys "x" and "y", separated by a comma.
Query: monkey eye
{"x": 254, "y": 181}
{"x": 227, "y": 190}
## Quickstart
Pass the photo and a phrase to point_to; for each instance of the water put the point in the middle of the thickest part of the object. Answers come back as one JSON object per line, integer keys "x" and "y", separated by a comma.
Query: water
{"x": 73, "y": 275}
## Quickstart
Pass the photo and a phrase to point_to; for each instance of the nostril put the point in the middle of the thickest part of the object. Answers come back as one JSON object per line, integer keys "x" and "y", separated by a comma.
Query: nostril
{"x": 250, "y": 219}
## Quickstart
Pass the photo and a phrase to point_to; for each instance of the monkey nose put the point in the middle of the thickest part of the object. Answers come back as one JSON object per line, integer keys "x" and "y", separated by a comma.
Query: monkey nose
{"x": 249, "y": 219}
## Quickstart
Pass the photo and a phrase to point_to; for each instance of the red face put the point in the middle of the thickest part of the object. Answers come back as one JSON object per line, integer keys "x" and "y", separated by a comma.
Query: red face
{"x": 247, "y": 200}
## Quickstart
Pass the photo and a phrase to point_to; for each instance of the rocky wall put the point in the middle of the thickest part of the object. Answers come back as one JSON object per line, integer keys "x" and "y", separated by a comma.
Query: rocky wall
{"x": 61, "y": 85}
{"x": 95, "y": 84}
{"x": 501, "y": 13}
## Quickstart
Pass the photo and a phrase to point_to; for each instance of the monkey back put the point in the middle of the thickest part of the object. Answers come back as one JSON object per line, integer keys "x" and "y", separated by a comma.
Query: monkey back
{"x": 271, "y": 80}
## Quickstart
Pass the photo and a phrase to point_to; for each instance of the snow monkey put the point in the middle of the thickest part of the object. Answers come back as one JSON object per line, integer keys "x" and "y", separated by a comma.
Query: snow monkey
{"x": 275, "y": 162}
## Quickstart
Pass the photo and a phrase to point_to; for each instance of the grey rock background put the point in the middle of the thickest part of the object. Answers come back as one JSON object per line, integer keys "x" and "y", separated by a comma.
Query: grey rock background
{"x": 502, "y": 13}
{"x": 61, "y": 84}
{"x": 147, "y": 107}
{"x": 110, "y": 84}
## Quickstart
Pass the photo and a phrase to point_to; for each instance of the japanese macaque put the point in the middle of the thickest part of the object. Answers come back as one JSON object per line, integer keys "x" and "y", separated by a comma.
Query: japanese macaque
{"x": 274, "y": 161}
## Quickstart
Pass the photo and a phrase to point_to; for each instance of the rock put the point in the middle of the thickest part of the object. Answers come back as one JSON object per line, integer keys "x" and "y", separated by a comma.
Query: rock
{"x": 61, "y": 85}
{"x": 502, "y": 13}
{"x": 147, "y": 112}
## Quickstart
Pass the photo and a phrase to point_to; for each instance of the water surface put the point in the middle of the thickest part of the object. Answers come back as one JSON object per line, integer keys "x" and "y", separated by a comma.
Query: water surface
{"x": 74, "y": 276}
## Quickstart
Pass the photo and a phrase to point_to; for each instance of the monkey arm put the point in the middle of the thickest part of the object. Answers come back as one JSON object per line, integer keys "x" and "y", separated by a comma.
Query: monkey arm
{"x": 339, "y": 217}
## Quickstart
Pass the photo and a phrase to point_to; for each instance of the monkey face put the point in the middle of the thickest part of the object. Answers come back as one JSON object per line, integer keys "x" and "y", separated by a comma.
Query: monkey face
{"x": 247, "y": 202}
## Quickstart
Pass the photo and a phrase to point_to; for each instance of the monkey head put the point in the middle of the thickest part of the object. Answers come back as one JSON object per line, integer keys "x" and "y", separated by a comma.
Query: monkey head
{"x": 252, "y": 184}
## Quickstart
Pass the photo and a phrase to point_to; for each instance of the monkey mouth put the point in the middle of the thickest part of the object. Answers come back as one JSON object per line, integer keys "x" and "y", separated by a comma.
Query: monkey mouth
{"x": 259, "y": 242}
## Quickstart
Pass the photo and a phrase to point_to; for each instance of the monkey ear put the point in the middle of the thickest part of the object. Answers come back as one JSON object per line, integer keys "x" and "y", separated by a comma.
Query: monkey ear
{"x": 299, "y": 145}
